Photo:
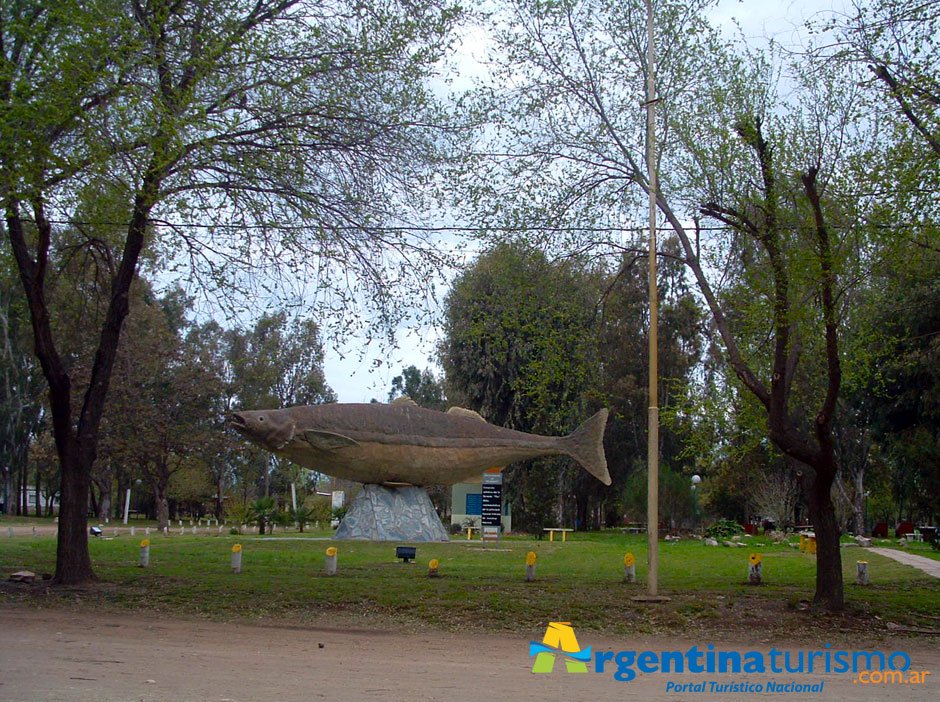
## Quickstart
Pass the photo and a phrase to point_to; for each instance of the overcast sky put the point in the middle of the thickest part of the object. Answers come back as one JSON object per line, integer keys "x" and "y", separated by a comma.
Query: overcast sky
{"x": 358, "y": 374}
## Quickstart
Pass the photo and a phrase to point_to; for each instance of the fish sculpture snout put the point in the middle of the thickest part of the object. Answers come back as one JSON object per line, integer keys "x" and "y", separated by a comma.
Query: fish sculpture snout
{"x": 267, "y": 429}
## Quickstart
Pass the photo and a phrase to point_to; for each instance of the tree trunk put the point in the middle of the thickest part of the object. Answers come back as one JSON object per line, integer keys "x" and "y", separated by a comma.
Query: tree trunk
{"x": 92, "y": 502}
{"x": 23, "y": 494}
{"x": 7, "y": 488}
{"x": 581, "y": 513}
{"x": 219, "y": 499}
{"x": 859, "y": 505}
{"x": 161, "y": 504}
{"x": 104, "y": 504}
{"x": 828, "y": 552}
{"x": 38, "y": 491}
{"x": 73, "y": 562}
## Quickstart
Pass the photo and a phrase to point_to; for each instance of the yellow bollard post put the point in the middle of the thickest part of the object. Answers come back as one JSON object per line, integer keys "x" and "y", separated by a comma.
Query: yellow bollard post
{"x": 629, "y": 568}
{"x": 530, "y": 566}
{"x": 237, "y": 559}
{"x": 754, "y": 569}
{"x": 331, "y": 560}
{"x": 432, "y": 568}
{"x": 144, "y": 554}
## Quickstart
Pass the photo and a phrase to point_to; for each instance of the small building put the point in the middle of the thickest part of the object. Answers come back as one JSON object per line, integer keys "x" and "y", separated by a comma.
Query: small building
{"x": 467, "y": 505}
{"x": 47, "y": 501}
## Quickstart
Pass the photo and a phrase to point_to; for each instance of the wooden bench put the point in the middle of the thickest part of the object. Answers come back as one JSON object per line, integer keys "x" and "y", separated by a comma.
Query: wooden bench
{"x": 551, "y": 533}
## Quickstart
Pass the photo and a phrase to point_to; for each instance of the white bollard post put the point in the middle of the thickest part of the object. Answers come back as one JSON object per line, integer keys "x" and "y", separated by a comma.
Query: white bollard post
{"x": 237, "y": 559}
{"x": 10, "y": 532}
{"x": 144, "y": 554}
{"x": 220, "y": 530}
{"x": 863, "y": 576}
{"x": 182, "y": 530}
{"x": 195, "y": 530}
{"x": 166, "y": 531}
{"x": 115, "y": 531}
{"x": 629, "y": 568}
{"x": 127, "y": 505}
{"x": 35, "y": 533}
{"x": 530, "y": 566}
{"x": 133, "y": 531}
{"x": 147, "y": 531}
{"x": 331, "y": 560}
{"x": 754, "y": 569}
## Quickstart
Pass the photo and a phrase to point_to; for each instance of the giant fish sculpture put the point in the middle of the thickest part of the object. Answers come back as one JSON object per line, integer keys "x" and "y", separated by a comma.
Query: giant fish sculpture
{"x": 403, "y": 444}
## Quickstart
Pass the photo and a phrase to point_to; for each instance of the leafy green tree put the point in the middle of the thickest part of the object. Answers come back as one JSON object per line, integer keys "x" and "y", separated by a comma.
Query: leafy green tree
{"x": 518, "y": 348}
{"x": 20, "y": 397}
{"x": 263, "y": 511}
{"x": 897, "y": 40}
{"x": 302, "y": 516}
{"x": 776, "y": 181}
{"x": 904, "y": 405}
{"x": 277, "y": 363}
{"x": 421, "y": 386}
{"x": 218, "y": 119}
{"x": 165, "y": 414}
{"x": 517, "y": 342}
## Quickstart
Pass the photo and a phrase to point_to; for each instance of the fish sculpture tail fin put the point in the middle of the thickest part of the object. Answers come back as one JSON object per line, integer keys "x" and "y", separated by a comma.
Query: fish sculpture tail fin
{"x": 586, "y": 446}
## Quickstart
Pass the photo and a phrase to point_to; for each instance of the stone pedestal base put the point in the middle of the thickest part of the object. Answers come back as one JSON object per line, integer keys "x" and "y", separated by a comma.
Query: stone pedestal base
{"x": 380, "y": 513}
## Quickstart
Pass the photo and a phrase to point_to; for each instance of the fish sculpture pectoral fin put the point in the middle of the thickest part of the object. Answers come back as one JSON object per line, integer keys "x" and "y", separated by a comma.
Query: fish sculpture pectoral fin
{"x": 329, "y": 441}
{"x": 283, "y": 437}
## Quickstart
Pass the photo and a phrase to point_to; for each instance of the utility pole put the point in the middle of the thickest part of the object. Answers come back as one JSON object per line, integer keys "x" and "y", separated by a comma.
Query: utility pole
{"x": 652, "y": 487}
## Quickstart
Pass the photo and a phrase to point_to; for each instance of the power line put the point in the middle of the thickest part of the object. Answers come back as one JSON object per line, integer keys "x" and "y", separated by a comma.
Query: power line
{"x": 453, "y": 229}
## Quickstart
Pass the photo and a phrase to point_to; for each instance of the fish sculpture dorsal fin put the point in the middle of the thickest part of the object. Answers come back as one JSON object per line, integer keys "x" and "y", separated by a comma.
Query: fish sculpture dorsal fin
{"x": 464, "y": 412}
{"x": 328, "y": 440}
{"x": 404, "y": 401}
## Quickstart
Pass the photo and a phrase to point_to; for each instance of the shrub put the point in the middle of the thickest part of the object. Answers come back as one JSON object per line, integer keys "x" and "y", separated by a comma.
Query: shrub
{"x": 724, "y": 529}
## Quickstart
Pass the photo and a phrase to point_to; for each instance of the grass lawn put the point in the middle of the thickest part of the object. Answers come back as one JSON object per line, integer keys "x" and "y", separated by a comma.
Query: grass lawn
{"x": 482, "y": 587}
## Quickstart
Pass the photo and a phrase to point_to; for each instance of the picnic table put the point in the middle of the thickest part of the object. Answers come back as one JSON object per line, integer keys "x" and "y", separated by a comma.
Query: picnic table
{"x": 808, "y": 541}
{"x": 634, "y": 528}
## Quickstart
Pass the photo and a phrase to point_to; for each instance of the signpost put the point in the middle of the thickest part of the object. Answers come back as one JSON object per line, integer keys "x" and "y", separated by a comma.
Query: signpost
{"x": 491, "y": 512}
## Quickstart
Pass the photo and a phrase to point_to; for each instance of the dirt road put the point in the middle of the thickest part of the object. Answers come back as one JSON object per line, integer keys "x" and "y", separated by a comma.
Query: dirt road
{"x": 65, "y": 656}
